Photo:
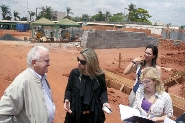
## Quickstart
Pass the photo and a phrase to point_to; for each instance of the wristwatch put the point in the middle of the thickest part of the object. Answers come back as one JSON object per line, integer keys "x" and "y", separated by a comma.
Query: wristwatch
{"x": 133, "y": 62}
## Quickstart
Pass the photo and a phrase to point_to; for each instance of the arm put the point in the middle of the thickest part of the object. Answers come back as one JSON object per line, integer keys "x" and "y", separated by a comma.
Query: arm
{"x": 168, "y": 109}
{"x": 11, "y": 102}
{"x": 68, "y": 90}
{"x": 132, "y": 66}
{"x": 137, "y": 98}
{"x": 158, "y": 119}
{"x": 103, "y": 88}
{"x": 159, "y": 71}
{"x": 68, "y": 93}
{"x": 103, "y": 91}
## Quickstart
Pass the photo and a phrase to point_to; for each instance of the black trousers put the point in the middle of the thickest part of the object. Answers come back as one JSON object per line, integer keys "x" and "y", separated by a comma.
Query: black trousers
{"x": 87, "y": 118}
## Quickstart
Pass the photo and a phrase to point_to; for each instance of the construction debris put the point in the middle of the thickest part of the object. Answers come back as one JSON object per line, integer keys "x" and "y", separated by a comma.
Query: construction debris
{"x": 9, "y": 37}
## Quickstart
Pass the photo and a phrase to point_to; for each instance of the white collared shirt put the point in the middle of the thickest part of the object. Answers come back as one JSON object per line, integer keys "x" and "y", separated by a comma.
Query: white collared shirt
{"x": 162, "y": 106}
{"x": 47, "y": 95}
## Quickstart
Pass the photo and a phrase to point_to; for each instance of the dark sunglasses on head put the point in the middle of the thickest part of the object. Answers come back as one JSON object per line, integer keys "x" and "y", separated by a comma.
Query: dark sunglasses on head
{"x": 81, "y": 61}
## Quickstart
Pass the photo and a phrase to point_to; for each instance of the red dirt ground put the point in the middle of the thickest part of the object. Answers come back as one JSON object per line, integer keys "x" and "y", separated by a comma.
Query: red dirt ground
{"x": 63, "y": 60}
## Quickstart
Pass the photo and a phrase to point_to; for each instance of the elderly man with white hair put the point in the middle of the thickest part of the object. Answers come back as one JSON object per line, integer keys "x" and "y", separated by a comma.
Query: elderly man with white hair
{"x": 28, "y": 98}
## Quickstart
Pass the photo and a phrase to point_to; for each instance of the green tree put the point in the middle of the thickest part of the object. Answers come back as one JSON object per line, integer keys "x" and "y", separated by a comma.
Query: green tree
{"x": 101, "y": 16}
{"x": 98, "y": 17}
{"x": 6, "y": 12}
{"x": 119, "y": 17}
{"x": 132, "y": 12}
{"x": 23, "y": 19}
{"x": 76, "y": 19}
{"x": 16, "y": 15}
{"x": 46, "y": 13}
{"x": 131, "y": 7}
{"x": 8, "y": 18}
{"x": 86, "y": 17}
{"x": 107, "y": 15}
{"x": 68, "y": 11}
{"x": 168, "y": 25}
{"x": 137, "y": 14}
{"x": 32, "y": 14}
{"x": 181, "y": 27}
{"x": 142, "y": 15}
{"x": 95, "y": 17}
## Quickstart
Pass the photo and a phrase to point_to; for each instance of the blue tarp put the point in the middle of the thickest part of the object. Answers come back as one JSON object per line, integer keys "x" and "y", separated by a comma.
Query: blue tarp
{"x": 22, "y": 27}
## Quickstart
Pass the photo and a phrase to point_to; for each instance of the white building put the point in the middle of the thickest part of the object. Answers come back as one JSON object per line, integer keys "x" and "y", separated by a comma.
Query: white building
{"x": 57, "y": 16}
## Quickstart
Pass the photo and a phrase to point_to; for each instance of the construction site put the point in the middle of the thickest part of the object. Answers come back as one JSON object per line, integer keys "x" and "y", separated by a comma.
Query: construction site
{"x": 115, "y": 47}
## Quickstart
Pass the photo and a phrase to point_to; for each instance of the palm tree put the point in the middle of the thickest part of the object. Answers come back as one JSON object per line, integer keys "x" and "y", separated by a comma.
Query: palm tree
{"x": 46, "y": 12}
{"x": 23, "y": 19}
{"x": 131, "y": 7}
{"x": 6, "y": 12}
{"x": 68, "y": 9}
{"x": 168, "y": 25}
{"x": 107, "y": 15}
{"x": 101, "y": 16}
{"x": 85, "y": 17}
{"x": 16, "y": 15}
{"x": 31, "y": 14}
{"x": 132, "y": 12}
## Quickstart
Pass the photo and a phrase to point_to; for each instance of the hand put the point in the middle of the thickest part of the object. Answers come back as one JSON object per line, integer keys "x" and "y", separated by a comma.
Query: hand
{"x": 153, "y": 119}
{"x": 108, "y": 106}
{"x": 138, "y": 59}
{"x": 67, "y": 106}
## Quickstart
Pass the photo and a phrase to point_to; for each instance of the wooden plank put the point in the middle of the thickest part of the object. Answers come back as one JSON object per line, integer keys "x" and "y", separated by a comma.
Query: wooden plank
{"x": 119, "y": 78}
{"x": 177, "y": 111}
{"x": 178, "y": 100}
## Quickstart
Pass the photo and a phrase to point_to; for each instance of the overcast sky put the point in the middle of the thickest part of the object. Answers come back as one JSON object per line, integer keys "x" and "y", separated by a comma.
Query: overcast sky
{"x": 163, "y": 11}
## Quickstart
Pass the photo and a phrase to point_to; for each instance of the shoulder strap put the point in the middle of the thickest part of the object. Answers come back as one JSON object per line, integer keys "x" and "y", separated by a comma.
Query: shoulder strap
{"x": 138, "y": 68}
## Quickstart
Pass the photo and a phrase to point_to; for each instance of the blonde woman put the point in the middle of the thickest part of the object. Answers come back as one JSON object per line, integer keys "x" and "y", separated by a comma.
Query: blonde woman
{"x": 86, "y": 91}
{"x": 151, "y": 99}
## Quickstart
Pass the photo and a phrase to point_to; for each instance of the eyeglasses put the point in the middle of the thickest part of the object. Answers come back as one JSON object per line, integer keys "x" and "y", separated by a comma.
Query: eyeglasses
{"x": 147, "y": 53}
{"x": 83, "y": 62}
{"x": 84, "y": 50}
{"x": 146, "y": 81}
{"x": 45, "y": 61}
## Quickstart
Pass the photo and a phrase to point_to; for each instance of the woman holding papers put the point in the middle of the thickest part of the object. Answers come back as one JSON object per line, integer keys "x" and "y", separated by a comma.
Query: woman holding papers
{"x": 138, "y": 64}
{"x": 151, "y": 99}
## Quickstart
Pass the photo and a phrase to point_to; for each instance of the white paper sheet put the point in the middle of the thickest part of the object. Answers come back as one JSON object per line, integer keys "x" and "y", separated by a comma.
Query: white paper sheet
{"x": 168, "y": 120}
{"x": 126, "y": 112}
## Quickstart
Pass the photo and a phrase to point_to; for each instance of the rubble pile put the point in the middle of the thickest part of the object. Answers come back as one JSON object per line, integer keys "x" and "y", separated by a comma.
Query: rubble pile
{"x": 9, "y": 37}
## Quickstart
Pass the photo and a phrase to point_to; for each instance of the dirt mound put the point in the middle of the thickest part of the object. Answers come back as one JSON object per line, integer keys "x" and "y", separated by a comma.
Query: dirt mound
{"x": 178, "y": 89}
{"x": 8, "y": 37}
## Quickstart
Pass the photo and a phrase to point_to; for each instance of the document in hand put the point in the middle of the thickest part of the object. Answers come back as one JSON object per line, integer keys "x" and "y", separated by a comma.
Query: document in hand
{"x": 168, "y": 120}
{"x": 132, "y": 115}
{"x": 139, "y": 120}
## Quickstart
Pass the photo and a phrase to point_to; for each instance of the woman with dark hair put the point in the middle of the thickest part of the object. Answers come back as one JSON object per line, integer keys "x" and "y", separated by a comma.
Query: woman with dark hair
{"x": 86, "y": 91}
{"x": 138, "y": 64}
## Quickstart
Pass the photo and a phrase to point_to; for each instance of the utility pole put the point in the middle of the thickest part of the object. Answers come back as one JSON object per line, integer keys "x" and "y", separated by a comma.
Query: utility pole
{"x": 27, "y": 11}
{"x": 36, "y": 13}
{"x": 42, "y": 8}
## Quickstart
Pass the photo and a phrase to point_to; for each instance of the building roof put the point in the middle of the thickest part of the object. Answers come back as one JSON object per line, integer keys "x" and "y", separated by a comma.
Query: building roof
{"x": 43, "y": 21}
{"x": 67, "y": 22}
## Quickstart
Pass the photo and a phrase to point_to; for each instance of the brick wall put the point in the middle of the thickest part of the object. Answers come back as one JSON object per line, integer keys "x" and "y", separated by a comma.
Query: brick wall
{"x": 103, "y": 39}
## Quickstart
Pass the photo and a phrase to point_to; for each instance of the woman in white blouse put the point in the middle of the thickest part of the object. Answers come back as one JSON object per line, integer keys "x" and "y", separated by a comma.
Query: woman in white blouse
{"x": 151, "y": 99}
